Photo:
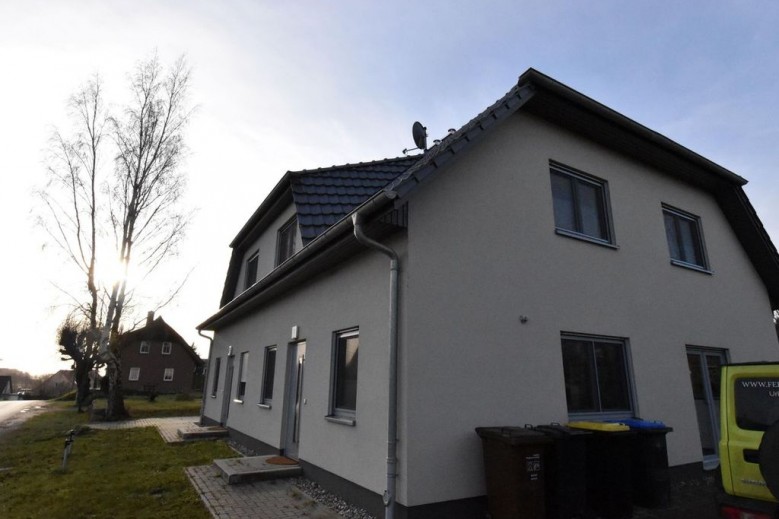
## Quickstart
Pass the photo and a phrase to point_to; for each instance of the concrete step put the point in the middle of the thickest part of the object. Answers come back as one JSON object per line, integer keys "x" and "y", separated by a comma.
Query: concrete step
{"x": 237, "y": 470}
{"x": 198, "y": 432}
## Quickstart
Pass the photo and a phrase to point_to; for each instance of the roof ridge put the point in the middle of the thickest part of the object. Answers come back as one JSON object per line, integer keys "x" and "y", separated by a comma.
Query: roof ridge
{"x": 352, "y": 165}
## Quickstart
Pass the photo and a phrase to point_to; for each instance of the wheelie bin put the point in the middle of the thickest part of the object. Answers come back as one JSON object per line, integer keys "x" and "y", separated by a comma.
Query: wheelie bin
{"x": 514, "y": 466}
{"x": 651, "y": 478}
{"x": 609, "y": 468}
{"x": 566, "y": 476}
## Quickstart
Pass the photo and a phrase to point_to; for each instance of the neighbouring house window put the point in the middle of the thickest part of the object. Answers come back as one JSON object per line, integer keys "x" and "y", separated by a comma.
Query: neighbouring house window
{"x": 269, "y": 372}
{"x": 134, "y": 375}
{"x": 596, "y": 376}
{"x": 215, "y": 382}
{"x": 344, "y": 383}
{"x": 166, "y": 348}
{"x": 251, "y": 269}
{"x": 685, "y": 238}
{"x": 145, "y": 347}
{"x": 581, "y": 205}
{"x": 243, "y": 372}
{"x": 285, "y": 243}
{"x": 168, "y": 375}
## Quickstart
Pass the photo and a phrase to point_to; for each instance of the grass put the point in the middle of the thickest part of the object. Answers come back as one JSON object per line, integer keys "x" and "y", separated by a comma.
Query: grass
{"x": 163, "y": 405}
{"x": 110, "y": 474}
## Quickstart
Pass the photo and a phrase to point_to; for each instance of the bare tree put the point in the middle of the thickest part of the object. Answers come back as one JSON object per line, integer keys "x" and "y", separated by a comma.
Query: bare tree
{"x": 130, "y": 216}
{"x": 147, "y": 187}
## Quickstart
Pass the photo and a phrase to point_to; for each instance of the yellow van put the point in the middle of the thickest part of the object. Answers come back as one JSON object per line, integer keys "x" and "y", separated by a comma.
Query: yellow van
{"x": 749, "y": 440}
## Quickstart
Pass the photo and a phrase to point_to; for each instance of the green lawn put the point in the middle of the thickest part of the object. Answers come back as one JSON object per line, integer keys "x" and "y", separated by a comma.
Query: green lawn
{"x": 163, "y": 405}
{"x": 111, "y": 474}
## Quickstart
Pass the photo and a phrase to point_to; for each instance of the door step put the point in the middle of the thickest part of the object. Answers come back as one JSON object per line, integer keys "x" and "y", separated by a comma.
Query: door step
{"x": 238, "y": 470}
{"x": 197, "y": 432}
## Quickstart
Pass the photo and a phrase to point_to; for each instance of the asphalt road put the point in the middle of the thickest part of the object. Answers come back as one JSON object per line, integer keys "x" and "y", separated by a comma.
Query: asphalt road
{"x": 14, "y": 412}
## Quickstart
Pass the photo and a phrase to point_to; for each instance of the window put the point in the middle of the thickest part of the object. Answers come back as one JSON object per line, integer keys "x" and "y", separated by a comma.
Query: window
{"x": 145, "y": 347}
{"x": 135, "y": 374}
{"x": 581, "y": 205}
{"x": 166, "y": 348}
{"x": 344, "y": 388}
{"x": 251, "y": 269}
{"x": 596, "y": 376}
{"x": 269, "y": 372}
{"x": 168, "y": 376}
{"x": 215, "y": 380}
{"x": 285, "y": 243}
{"x": 243, "y": 372}
{"x": 685, "y": 238}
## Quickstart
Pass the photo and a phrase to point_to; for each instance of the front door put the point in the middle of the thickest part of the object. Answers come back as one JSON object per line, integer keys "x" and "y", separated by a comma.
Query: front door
{"x": 227, "y": 393}
{"x": 704, "y": 364}
{"x": 294, "y": 398}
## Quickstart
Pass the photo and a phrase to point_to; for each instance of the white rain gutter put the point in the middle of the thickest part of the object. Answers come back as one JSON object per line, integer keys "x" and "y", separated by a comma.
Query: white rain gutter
{"x": 392, "y": 411}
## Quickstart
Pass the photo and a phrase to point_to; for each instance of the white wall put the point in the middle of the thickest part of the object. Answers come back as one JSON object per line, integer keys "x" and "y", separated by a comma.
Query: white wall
{"x": 483, "y": 251}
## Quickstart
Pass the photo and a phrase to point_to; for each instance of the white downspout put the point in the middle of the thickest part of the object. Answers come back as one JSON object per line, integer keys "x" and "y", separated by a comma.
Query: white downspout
{"x": 392, "y": 411}
{"x": 205, "y": 376}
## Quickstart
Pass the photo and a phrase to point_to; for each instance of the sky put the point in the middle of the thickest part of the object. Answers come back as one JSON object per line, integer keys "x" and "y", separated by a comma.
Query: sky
{"x": 282, "y": 86}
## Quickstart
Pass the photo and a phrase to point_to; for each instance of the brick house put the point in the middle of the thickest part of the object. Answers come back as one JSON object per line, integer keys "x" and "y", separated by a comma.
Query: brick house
{"x": 157, "y": 358}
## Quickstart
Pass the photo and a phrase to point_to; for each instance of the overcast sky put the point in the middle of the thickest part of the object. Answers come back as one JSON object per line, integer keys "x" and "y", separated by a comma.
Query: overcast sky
{"x": 292, "y": 85}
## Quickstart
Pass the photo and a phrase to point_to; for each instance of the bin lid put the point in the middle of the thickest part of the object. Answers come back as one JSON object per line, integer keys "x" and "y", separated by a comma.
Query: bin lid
{"x": 561, "y": 431}
{"x": 599, "y": 426}
{"x": 637, "y": 423}
{"x": 513, "y": 435}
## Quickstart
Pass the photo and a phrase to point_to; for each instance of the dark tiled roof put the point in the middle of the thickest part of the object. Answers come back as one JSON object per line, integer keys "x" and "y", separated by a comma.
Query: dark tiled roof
{"x": 324, "y": 196}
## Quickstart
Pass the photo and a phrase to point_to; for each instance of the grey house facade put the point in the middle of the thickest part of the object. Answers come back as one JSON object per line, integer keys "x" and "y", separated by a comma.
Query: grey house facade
{"x": 557, "y": 261}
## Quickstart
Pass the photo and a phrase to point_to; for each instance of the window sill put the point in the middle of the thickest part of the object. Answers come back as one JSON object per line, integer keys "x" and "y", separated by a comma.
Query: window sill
{"x": 264, "y": 406}
{"x": 341, "y": 420}
{"x": 584, "y": 237}
{"x": 213, "y": 396}
{"x": 691, "y": 266}
{"x": 237, "y": 401}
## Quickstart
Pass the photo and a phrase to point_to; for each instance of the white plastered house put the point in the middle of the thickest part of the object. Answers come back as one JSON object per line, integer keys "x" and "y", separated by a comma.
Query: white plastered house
{"x": 557, "y": 261}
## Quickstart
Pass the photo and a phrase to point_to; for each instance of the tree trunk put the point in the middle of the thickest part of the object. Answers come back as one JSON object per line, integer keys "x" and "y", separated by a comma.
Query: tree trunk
{"x": 115, "y": 409}
{"x": 82, "y": 384}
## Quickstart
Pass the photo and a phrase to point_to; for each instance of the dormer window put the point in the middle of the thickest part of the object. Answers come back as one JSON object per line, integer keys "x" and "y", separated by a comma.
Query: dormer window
{"x": 285, "y": 244}
{"x": 145, "y": 347}
{"x": 166, "y": 348}
{"x": 251, "y": 270}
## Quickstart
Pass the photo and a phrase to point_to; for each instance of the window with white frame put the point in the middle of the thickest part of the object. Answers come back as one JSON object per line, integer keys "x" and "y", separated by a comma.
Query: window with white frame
{"x": 215, "y": 380}
{"x": 597, "y": 376}
{"x": 168, "y": 375}
{"x": 268, "y": 375}
{"x": 167, "y": 347}
{"x": 285, "y": 241}
{"x": 134, "y": 375}
{"x": 145, "y": 347}
{"x": 243, "y": 373}
{"x": 251, "y": 269}
{"x": 685, "y": 238}
{"x": 581, "y": 205}
{"x": 343, "y": 399}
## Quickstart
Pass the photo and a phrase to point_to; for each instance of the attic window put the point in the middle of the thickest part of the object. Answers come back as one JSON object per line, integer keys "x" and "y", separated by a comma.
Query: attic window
{"x": 144, "y": 347}
{"x": 685, "y": 239}
{"x": 285, "y": 243}
{"x": 581, "y": 205}
{"x": 166, "y": 348}
{"x": 251, "y": 270}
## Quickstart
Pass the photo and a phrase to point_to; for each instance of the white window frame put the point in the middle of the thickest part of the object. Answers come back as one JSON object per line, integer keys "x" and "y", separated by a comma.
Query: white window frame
{"x": 145, "y": 348}
{"x": 677, "y": 216}
{"x": 167, "y": 345}
{"x": 268, "y": 377}
{"x": 215, "y": 380}
{"x": 168, "y": 375}
{"x": 134, "y": 371}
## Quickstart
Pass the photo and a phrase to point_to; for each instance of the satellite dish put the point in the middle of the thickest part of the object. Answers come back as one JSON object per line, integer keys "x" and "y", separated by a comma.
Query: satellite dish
{"x": 419, "y": 133}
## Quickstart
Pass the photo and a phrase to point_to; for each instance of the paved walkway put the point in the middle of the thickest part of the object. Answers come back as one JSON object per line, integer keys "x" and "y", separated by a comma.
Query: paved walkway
{"x": 276, "y": 499}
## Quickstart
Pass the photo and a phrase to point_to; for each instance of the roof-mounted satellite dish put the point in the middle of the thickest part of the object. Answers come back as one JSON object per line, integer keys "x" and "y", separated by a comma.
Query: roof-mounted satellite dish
{"x": 419, "y": 133}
